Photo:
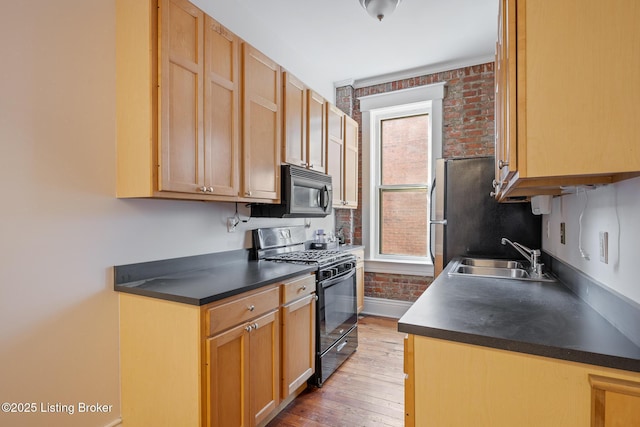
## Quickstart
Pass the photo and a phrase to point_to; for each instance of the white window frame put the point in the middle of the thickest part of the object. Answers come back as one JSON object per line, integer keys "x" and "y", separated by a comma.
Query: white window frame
{"x": 374, "y": 108}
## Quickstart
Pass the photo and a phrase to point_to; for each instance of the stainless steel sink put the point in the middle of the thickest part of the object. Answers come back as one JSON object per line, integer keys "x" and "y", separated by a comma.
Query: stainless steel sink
{"x": 495, "y": 268}
{"x": 495, "y": 263}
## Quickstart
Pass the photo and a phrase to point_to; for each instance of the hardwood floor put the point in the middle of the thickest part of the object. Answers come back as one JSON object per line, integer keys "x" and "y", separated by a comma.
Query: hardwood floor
{"x": 367, "y": 390}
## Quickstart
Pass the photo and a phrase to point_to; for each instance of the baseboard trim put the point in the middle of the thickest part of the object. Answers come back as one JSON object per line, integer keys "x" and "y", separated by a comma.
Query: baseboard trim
{"x": 385, "y": 307}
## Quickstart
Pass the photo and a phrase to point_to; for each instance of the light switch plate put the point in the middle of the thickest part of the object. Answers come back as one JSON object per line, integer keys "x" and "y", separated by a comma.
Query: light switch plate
{"x": 604, "y": 247}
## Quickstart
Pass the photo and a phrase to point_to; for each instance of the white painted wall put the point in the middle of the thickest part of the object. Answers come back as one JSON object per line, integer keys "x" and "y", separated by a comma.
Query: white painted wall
{"x": 614, "y": 209}
{"x": 61, "y": 228}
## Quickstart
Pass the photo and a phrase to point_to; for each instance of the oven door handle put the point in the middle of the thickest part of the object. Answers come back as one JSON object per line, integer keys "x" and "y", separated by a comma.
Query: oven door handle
{"x": 334, "y": 280}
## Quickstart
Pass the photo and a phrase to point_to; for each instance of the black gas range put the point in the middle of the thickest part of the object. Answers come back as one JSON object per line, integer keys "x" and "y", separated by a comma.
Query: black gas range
{"x": 336, "y": 314}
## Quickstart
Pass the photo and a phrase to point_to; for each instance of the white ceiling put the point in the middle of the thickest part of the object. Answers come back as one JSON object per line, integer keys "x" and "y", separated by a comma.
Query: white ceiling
{"x": 340, "y": 41}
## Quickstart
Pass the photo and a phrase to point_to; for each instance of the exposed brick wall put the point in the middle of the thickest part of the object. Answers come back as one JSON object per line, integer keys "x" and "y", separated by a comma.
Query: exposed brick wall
{"x": 468, "y": 107}
{"x": 345, "y": 222}
{"x": 468, "y": 130}
{"x": 468, "y": 112}
{"x": 395, "y": 286}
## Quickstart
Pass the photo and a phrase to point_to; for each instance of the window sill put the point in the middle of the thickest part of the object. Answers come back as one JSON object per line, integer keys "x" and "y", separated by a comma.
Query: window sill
{"x": 399, "y": 267}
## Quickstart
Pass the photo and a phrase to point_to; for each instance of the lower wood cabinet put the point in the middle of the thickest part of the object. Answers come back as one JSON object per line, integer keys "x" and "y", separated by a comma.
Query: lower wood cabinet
{"x": 243, "y": 368}
{"x": 359, "y": 253}
{"x": 455, "y": 384}
{"x": 232, "y": 363}
{"x": 298, "y": 334}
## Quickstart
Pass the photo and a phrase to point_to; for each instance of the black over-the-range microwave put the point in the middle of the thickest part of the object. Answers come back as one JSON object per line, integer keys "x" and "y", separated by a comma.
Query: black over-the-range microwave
{"x": 305, "y": 194}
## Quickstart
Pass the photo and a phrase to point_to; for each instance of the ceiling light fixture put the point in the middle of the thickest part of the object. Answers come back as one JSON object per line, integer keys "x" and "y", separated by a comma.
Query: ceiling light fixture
{"x": 380, "y": 8}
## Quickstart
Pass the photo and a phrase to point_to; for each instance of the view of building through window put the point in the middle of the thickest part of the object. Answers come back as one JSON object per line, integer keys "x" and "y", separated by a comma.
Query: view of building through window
{"x": 403, "y": 186}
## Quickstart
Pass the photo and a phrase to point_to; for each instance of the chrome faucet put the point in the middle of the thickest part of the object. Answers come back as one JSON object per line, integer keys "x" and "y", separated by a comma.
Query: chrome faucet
{"x": 530, "y": 255}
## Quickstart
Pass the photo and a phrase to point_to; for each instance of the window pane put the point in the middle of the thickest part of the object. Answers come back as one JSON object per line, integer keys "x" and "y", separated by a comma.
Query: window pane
{"x": 403, "y": 224}
{"x": 405, "y": 148}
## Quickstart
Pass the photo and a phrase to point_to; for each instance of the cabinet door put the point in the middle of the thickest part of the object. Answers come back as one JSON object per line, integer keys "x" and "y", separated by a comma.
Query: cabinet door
{"x": 409, "y": 383}
{"x": 181, "y": 86}
{"x": 228, "y": 379}
{"x": 350, "y": 163}
{"x": 335, "y": 152}
{"x": 505, "y": 98}
{"x": 614, "y": 402}
{"x": 264, "y": 367}
{"x": 298, "y": 343}
{"x": 316, "y": 143}
{"x": 294, "y": 129}
{"x": 360, "y": 286}
{"x": 221, "y": 110}
{"x": 261, "y": 125}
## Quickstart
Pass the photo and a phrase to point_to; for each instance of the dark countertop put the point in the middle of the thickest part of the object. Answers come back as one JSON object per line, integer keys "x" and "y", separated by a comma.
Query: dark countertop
{"x": 539, "y": 318}
{"x": 202, "y": 279}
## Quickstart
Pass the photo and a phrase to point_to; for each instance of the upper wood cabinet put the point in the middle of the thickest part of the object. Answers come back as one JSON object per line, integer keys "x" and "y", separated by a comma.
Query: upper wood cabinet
{"x": 221, "y": 109}
{"x": 261, "y": 125}
{"x": 294, "y": 147}
{"x": 335, "y": 151}
{"x": 566, "y": 101}
{"x": 342, "y": 157}
{"x": 181, "y": 141}
{"x": 350, "y": 163}
{"x": 303, "y": 125}
{"x": 316, "y": 143}
{"x": 182, "y": 130}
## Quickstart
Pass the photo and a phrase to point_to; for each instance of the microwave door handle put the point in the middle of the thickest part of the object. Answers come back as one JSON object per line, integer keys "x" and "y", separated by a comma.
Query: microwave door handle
{"x": 324, "y": 197}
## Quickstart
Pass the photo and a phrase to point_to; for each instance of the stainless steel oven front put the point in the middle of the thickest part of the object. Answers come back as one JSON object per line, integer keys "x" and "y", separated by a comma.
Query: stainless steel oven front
{"x": 337, "y": 332}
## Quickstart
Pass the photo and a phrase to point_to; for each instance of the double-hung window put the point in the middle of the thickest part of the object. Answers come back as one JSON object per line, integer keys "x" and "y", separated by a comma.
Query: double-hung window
{"x": 402, "y": 185}
{"x": 401, "y": 139}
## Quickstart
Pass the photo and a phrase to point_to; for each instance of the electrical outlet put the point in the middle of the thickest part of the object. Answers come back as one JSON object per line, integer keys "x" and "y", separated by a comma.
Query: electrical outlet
{"x": 548, "y": 229}
{"x": 604, "y": 247}
{"x": 231, "y": 224}
{"x": 563, "y": 236}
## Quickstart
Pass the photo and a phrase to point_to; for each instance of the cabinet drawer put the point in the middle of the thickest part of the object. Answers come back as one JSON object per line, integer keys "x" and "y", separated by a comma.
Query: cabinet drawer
{"x": 298, "y": 288}
{"x": 240, "y": 309}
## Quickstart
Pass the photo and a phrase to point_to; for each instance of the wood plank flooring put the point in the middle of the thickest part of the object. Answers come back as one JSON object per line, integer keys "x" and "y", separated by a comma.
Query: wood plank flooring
{"x": 367, "y": 390}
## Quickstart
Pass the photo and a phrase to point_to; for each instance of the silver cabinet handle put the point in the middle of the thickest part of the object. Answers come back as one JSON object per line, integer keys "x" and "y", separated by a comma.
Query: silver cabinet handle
{"x": 502, "y": 164}
{"x": 251, "y": 307}
{"x": 255, "y": 326}
{"x": 303, "y": 288}
{"x": 248, "y": 193}
{"x": 203, "y": 189}
{"x": 341, "y": 346}
{"x": 248, "y": 328}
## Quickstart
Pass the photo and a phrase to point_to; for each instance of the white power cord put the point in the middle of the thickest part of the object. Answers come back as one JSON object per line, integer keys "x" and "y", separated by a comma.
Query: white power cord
{"x": 586, "y": 202}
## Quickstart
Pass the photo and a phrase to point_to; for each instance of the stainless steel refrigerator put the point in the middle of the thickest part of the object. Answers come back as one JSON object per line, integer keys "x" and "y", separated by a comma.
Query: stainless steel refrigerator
{"x": 466, "y": 220}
